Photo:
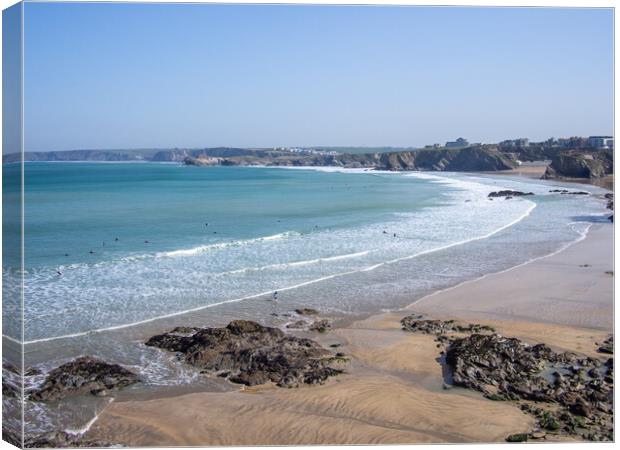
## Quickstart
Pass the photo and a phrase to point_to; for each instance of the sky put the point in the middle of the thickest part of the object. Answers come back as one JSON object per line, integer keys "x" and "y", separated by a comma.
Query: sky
{"x": 188, "y": 75}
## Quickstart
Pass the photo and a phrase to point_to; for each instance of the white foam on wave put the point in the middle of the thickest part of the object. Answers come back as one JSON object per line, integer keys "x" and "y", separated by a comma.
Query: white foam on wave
{"x": 297, "y": 263}
{"x": 204, "y": 248}
{"x": 182, "y": 252}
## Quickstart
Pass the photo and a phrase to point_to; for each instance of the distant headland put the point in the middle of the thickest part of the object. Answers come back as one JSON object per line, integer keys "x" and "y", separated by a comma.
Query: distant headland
{"x": 574, "y": 157}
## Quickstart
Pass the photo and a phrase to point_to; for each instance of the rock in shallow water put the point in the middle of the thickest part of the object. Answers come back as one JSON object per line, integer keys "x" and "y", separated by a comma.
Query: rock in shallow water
{"x": 509, "y": 193}
{"x": 248, "y": 353}
{"x": 82, "y": 376}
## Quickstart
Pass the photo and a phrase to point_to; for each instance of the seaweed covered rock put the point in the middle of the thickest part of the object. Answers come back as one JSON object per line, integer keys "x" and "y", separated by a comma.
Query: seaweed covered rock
{"x": 82, "y": 376}
{"x": 580, "y": 387}
{"x": 248, "y": 353}
{"x": 416, "y": 323}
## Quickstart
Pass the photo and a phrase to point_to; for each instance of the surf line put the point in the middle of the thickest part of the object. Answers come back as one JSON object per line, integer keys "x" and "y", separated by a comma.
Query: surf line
{"x": 287, "y": 288}
{"x": 582, "y": 236}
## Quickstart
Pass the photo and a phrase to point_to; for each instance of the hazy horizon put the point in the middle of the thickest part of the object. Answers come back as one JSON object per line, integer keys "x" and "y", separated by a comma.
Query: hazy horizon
{"x": 141, "y": 76}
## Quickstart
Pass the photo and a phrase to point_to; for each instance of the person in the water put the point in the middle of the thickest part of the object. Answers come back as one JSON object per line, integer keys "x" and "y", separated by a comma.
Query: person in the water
{"x": 275, "y": 296}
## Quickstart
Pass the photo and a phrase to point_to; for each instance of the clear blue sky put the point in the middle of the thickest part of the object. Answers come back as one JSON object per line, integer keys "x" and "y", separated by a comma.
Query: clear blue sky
{"x": 140, "y": 76}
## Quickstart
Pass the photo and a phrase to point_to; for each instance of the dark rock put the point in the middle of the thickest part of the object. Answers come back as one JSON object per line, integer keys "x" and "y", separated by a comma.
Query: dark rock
{"x": 519, "y": 437}
{"x": 32, "y": 371}
{"x": 567, "y": 192}
{"x": 414, "y": 323}
{"x": 506, "y": 367}
{"x": 297, "y": 325}
{"x": 607, "y": 346}
{"x": 61, "y": 439}
{"x": 509, "y": 193}
{"x": 428, "y": 326}
{"x": 82, "y": 376}
{"x": 321, "y": 326}
{"x": 251, "y": 354}
{"x": 306, "y": 312}
{"x": 9, "y": 389}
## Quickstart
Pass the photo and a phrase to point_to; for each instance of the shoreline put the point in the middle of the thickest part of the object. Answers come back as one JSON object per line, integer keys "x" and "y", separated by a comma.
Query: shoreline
{"x": 392, "y": 391}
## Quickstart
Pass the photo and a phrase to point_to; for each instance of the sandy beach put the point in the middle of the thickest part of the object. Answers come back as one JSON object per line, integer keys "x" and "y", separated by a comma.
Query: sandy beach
{"x": 393, "y": 389}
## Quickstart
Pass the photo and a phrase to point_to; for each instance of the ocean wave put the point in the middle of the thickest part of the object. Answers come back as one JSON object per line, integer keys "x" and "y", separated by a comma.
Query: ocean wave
{"x": 181, "y": 253}
{"x": 205, "y": 248}
{"x": 297, "y": 263}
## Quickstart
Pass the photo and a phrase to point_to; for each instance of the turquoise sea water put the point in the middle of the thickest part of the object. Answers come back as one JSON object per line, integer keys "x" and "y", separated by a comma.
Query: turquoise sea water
{"x": 112, "y": 245}
{"x": 115, "y": 253}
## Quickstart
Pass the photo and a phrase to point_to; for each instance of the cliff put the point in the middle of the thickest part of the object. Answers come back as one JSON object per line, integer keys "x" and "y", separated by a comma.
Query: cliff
{"x": 466, "y": 160}
{"x": 479, "y": 158}
{"x": 454, "y": 160}
{"x": 574, "y": 164}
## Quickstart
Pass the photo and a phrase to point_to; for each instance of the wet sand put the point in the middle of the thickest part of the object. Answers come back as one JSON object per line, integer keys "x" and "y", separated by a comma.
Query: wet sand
{"x": 573, "y": 287}
{"x": 393, "y": 389}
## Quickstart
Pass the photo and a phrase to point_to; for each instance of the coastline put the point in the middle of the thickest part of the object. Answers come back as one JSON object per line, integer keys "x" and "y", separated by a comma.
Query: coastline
{"x": 392, "y": 391}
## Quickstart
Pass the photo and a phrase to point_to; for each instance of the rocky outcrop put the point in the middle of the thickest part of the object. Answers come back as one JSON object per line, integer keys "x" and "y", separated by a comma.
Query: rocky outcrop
{"x": 416, "y": 323}
{"x": 204, "y": 161}
{"x": 567, "y": 192}
{"x": 468, "y": 159}
{"x": 607, "y": 346}
{"x": 62, "y": 439}
{"x": 509, "y": 193}
{"x": 248, "y": 353}
{"x": 306, "y": 312}
{"x": 578, "y": 164}
{"x": 581, "y": 388}
{"x": 84, "y": 375}
{"x": 464, "y": 159}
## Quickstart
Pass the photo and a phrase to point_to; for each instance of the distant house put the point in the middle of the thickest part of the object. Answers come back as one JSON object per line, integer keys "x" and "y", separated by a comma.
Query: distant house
{"x": 459, "y": 143}
{"x": 515, "y": 143}
{"x": 573, "y": 142}
{"x": 601, "y": 142}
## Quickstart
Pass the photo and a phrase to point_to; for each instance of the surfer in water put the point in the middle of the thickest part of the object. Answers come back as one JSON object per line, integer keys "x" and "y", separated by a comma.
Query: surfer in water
{"x": 59, "y": 273}
{"x": 275, "y": 296}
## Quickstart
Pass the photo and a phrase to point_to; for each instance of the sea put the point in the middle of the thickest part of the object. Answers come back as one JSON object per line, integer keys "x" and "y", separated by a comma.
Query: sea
{"x": 116, "y": 252}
